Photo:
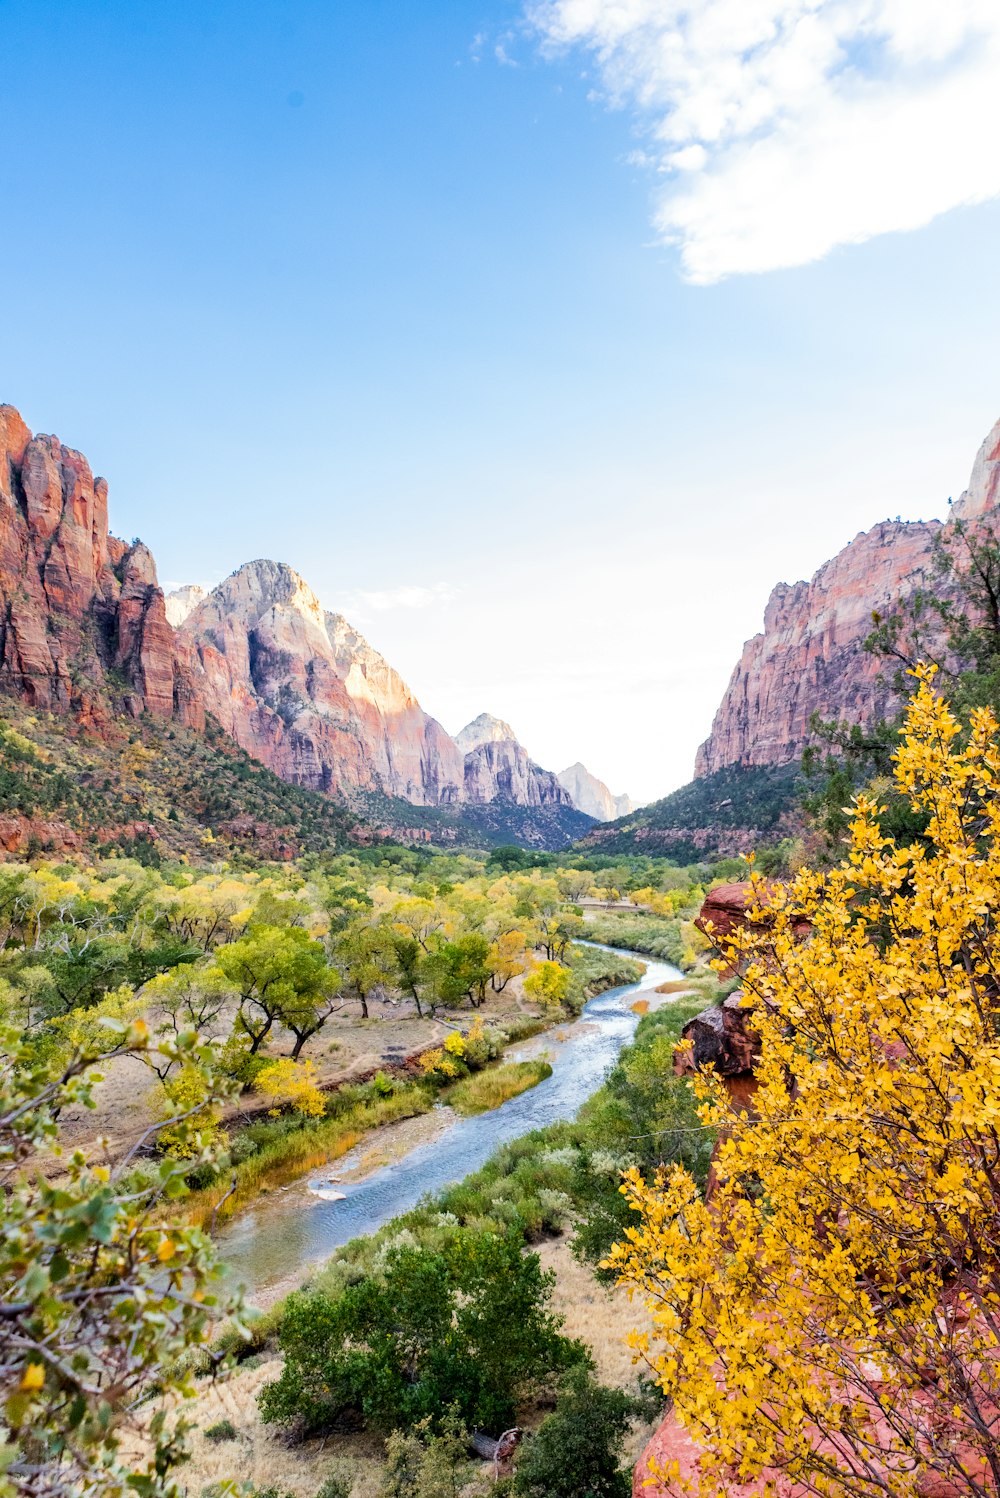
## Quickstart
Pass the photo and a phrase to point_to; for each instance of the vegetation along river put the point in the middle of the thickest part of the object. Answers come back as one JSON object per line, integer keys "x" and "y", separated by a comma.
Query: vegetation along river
{"x": 283, "y": 1235}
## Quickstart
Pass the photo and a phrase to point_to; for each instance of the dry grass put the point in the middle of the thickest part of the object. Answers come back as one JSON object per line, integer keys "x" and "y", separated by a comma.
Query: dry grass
{"x": 676, "y": 985}
{"x": 488, "y": 1089}
{"x": 261, "y": 1455}
{"x": 641, "y": 1006}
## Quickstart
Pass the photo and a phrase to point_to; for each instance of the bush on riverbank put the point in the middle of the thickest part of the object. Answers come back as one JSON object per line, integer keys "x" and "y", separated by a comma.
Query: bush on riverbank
{"x": 488, "y": 1089}
{"x": 460, "y": 1326}
{"x": 659, "y": 936}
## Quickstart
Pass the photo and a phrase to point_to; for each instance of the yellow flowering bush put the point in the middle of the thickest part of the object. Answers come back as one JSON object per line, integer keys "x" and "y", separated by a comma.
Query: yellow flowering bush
{"x": 294, "y": 1084}
{"x": 455, "y": 1043}
{"x": 833, "y": 1312}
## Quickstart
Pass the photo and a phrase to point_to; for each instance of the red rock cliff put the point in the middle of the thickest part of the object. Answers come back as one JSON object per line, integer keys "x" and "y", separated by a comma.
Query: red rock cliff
{"x": 810, "y": 656}
{"x": 75, "y": 603}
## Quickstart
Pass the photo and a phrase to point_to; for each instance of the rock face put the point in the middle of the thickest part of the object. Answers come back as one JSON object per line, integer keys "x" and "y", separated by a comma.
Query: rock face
{"x": 810, "y": 656}
{"x": 82, "y": 618}
{"x": 499, "y": 768}
{"x": 183, "y": 601}
{"x": 302, "y": 691}
{"x": 592, "y": 795}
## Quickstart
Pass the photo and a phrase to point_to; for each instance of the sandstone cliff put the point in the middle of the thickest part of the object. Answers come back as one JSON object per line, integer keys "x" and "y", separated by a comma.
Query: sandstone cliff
{"x": 302, "y": 691}
{"x": 82, "y": 618}
{"x": 183, "y": 601}
{"x": 810, "y": 656}
{"x": 592, "y": 795}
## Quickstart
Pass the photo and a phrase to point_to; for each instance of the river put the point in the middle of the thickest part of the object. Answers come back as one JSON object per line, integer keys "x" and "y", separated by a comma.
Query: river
{"x": 286, "y": 1233}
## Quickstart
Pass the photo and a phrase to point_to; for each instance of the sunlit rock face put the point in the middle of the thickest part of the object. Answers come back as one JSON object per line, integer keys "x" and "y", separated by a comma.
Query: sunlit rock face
{"x": 183, "y": 601}
{"x": 810, "y": 657}
{"x": 82, "y": 617}
{"x": 592, "y": 795}
{"x": 301, "y": 690}
{"x": 499, "y": 768}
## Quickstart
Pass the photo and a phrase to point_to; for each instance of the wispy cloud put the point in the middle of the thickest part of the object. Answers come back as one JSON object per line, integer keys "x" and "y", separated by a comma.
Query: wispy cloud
{"x": 409, "y": 596}
{"x": 785, "y": 128}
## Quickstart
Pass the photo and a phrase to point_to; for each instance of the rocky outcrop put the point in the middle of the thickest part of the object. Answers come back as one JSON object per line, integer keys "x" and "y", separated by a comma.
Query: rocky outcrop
{"x": 82, "y": 618}
{"x": 183, "y": 601}
{"x": 499, "y": 768}
{"x": 592, "y": 795}
{"x": 301, "y": 690}
{"x": 811, "y": 657}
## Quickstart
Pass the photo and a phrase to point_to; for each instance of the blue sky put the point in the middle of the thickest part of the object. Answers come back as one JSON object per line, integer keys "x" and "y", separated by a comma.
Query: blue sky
{"x": 338, "y": 284}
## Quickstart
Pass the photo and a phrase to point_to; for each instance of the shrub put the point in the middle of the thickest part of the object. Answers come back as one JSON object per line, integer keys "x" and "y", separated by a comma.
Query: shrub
{"x": 466, "y": 1325}
{"x": 576, "y": 1451}
{"x": 222, "y": 1430}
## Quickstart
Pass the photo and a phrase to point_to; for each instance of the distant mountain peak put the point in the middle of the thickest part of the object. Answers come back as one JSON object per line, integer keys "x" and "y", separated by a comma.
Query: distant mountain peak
{"x": 592, "y": 795}
{"x": 183, "y": 601}
{"x": 486, "y": 729}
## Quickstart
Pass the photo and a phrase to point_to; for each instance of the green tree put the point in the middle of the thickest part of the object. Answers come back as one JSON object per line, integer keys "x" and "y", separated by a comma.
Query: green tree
{"x": 281, "y": 976}
{"x": 576, "y": 1451}
{"x": 102, "y": 1296}
{"x": 467, "y": 1326}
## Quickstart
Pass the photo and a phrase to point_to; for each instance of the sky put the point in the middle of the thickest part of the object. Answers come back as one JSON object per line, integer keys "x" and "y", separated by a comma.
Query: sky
{"x": 543, "y": 339}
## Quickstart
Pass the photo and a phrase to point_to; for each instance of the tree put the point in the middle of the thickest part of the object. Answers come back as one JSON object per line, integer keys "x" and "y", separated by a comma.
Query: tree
{"x": 366, "y": 953}
{"x": 576, "y": 1451}
{"x": 459, "y": 969}
{"x": 101, "y": 1296}
{"x": 464, "y": 1327}
{"x": 281, "y": 975}
{"x": 831, "y": 1312}
{"x": 420, "y": 1463}
{"x": 549, "y": 983}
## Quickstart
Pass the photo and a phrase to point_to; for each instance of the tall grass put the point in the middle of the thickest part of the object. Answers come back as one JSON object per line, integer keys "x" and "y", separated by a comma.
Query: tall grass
{"x": 289, "y": 1155}
{"x": 488, "y": 1089}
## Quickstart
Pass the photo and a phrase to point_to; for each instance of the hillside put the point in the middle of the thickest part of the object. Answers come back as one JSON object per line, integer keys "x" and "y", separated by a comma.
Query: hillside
{"x": 731, "y": 811}
{"x": 150, "y": 789}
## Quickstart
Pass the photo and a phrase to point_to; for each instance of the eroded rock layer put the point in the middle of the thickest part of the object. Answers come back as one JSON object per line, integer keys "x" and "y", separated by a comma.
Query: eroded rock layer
{"x": 82, "y": 618}
{"x": 810, "y": 656}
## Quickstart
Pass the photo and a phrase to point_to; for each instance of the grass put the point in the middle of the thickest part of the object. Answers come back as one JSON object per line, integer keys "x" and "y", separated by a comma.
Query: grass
{"x": 290, "y": 1152}
{"x": 660, "y": 936}
{"x": 488, "y": 1089}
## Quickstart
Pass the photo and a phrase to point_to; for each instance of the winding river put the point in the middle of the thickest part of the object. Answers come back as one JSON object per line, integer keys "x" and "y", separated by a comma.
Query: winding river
{"x": 281, "y": 1237}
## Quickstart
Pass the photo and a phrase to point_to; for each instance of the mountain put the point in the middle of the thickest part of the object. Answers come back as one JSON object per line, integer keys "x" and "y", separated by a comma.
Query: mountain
{"x": 498, "y": 768}
{"x": 719, "y": 815}
{"x": 182, "y": 601}
{"x": 592, "y": 795}
{"x": 83, "y": 626}
{"x": 810, "y": 656}
{"x": 484, "y": 730}
{"x": 87, "y": 635}
{"x": 303, "y": 692}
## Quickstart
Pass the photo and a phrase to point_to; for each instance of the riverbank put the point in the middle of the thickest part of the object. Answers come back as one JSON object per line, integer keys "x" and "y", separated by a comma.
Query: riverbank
{"x": 555, "y": 1186}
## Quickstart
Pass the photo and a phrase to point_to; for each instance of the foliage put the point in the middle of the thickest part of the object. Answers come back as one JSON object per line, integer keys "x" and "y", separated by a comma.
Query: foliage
{"x": 465, "y": 1325}
{"x": 488, "y": 1089}
{"x": 294, "y": 1083}
{"x": 424, "y": 1463}
{"x": 100, "y": 1295}
{"x": 576, "y": 1451}
{"x": 832, "y": 1311}
{"x": 548, "y": 984}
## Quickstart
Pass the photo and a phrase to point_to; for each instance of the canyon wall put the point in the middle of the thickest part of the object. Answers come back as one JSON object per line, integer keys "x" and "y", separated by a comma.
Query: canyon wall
{"x": 82, "y": 619}
{"x": 810, "y": 656}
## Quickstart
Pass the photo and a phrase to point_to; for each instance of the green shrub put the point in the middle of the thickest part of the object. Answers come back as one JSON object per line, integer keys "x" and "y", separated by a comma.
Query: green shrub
{"x": 465, "y": 1325}
{"x": 222, "y": 1430}
{"x": 576, "y": 1451}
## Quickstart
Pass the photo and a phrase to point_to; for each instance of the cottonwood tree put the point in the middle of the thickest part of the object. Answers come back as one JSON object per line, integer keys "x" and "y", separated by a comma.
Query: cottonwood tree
{"x": 833, "y": 1312}
{"x": 281, "y": 976}
{"x": 102, "y": 1295}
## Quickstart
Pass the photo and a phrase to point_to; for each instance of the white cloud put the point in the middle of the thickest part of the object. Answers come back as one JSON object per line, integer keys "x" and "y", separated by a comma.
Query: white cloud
{"x": 789, "y": 127}
{"x": 409, "y": 596}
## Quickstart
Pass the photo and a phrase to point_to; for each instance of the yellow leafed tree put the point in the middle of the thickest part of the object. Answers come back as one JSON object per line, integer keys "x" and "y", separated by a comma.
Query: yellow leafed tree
{"x": 831, "y": 1317}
